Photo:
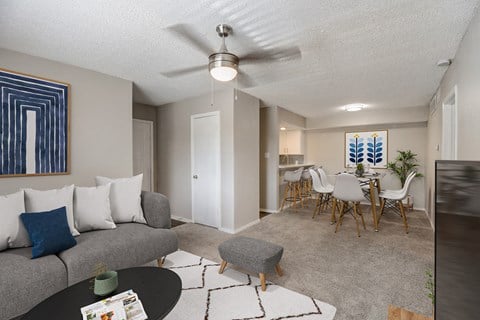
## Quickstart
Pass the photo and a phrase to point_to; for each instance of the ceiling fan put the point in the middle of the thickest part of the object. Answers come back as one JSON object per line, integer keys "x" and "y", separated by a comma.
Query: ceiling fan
{"x": 224, "y": 65}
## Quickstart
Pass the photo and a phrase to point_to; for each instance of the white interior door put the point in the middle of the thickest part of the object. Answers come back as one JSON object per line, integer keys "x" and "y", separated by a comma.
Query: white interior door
{"x": 205, "y": 143}
{"x": 143, "y": 152}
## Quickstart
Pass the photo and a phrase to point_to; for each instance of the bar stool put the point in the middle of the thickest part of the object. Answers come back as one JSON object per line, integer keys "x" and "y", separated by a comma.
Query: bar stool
{"x": 306, "y": 184}
{"x": 292, "y": 191}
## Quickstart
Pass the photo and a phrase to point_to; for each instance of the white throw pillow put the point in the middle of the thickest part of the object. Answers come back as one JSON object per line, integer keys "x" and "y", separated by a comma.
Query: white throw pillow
{"x": 91, "y": 208}
{"x": 125, "y": 200}
{"x": 12, "y": 232}
{"x": 38, "y": 201}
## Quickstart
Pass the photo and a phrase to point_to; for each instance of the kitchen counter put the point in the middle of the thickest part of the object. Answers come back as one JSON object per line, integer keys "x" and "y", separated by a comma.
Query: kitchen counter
{"x": 295, "y": 166}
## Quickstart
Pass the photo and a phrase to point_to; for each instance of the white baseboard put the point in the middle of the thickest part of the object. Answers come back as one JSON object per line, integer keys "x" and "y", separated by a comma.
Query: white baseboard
{"x": 231, "y": 231}
{"x": 226, "y": 230}
{"x": 269, "y": 210}
{"x": 182, "y": 219}
{"x": 248, "y": 225}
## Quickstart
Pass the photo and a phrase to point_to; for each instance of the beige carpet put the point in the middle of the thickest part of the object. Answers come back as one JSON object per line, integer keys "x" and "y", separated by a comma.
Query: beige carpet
{"x": 359, "y": 276}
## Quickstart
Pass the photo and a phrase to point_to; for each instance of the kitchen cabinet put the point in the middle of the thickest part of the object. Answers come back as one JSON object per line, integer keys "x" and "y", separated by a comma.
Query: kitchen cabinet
{"x": 291, "y": 142}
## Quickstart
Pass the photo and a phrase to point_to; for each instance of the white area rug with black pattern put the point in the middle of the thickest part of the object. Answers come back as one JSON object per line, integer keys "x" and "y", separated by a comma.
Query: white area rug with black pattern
{"x": 206, "y": 294}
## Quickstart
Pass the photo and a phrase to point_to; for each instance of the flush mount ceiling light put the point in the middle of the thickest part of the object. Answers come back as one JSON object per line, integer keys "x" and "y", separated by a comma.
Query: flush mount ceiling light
{"x": 354, "y": 107}
{"x": 283, "y": 128}
{"x": 444, "y": 62}
{"x": 223, "y": 65}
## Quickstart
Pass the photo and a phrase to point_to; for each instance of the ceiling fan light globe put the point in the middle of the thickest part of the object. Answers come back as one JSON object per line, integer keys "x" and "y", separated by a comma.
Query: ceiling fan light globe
{"x": 223, "y": 73}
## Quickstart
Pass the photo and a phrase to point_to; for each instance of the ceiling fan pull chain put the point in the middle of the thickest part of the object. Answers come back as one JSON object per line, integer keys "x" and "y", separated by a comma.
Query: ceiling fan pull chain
{"x": 235, "y": 89}
{"x": 212, "y": 90}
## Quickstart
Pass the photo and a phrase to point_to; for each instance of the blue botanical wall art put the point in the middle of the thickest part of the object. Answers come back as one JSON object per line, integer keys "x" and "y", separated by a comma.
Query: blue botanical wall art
{"x": 369, "y": 148}
{"x": 34, "y": 125}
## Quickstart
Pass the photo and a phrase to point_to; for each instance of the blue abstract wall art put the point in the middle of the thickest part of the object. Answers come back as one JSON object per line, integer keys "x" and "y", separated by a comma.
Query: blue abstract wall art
{"x": 34, "y": 125}
{"x": 368, "y": 148}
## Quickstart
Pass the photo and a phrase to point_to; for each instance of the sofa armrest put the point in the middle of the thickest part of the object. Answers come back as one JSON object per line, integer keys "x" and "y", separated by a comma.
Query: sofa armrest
{"x": 156, "y": 209}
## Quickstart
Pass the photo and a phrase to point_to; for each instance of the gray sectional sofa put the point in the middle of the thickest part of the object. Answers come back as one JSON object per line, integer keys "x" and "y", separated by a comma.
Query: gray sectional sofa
{"x": 24, "y": 282}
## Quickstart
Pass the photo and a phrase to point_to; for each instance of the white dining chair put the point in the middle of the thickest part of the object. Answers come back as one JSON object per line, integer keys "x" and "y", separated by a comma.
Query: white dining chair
{"x": 347, "y": 190}
{"x": 390, "y": 198}
{"x": 323, "y": 193}
{"x": 324, "y": 178}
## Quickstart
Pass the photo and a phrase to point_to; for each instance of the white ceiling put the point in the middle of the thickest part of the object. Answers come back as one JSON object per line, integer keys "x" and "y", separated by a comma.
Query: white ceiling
{"x": 378, "y": 52}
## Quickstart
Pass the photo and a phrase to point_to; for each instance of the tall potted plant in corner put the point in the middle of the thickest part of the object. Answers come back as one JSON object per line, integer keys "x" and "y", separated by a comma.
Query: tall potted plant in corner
{"x": 405, "y": 162}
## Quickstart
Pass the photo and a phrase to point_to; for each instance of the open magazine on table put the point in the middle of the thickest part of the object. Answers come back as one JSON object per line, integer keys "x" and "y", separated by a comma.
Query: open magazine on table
{"x": 123, "y": 306}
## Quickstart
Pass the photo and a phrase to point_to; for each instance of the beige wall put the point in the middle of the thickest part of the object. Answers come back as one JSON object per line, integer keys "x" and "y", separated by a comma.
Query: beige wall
{"x": 366, "y": 117}
{"x": 465, "y": 74}
{"x": 326, "y": 148}
{"x": 269, "y": 140}
{"x": 174, "y": 161}
{"x": 246, "y": 150}
{"x": 149, "y": 113}
{"x": 101, "y": 122}
{"x": 291, "y": 118}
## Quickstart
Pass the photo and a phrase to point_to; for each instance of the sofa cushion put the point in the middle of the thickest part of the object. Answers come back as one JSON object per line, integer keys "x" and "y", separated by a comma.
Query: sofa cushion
{"x": 129, "y": 245}
{"x": 48, "y": 231}
{"x": 12, "y": 231}
{"x": 44, "y": 200}
{"x": 91, "y": 208}
{"x": 125, "y": 201}
{"x": 26, "y": 282}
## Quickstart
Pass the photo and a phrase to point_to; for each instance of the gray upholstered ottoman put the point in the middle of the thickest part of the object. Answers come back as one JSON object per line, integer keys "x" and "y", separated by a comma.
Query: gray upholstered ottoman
{"x": 252, "y": 254}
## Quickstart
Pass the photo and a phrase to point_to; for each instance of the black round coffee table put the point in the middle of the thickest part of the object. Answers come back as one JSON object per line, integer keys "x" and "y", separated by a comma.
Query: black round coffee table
{"x": 158, "y": 289}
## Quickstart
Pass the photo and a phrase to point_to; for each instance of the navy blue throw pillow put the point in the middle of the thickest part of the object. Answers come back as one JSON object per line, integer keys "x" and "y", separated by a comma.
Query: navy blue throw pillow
{"x": 48, "y": 231}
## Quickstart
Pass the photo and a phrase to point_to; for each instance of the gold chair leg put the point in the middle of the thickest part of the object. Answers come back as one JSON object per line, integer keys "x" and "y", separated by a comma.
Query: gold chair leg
{"x": 222, "y": 267}
{"x": 340, "y": 218}
{"x": 361, "y": 215}
{"x": 285, "y": 195}
{"x": 355, "y": 217}
{"x": 160, "y": 261}
{"x": 326, "y": 198}
{"x": 299, "y": 191}
{"x": 262, "y": 281}
{"x": 292, "y": 193}
{"x": 382, "y": 209}
{"x": 317, "y": 203}
{"x": 278, "y": 270}
{"x": 404, "y": 216}
{"x": 334, "y": 207}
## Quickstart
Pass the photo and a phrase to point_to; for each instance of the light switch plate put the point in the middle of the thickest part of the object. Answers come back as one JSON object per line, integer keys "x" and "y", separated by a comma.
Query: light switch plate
{"x": 267, "y": 155}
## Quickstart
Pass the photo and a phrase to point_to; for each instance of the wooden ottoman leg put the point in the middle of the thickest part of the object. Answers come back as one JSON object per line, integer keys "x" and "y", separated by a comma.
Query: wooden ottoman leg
{"x": 262, "y": 281}
{"x": 222, "y": 267}
{"x": 160, "y": 261}
{"x": 278, "y": 269}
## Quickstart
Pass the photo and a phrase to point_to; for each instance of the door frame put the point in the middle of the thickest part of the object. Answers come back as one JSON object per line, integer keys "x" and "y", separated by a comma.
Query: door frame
{"x": 152, "y": 145}
{"x": 218, "y": 171}
{"x": 450, "y": 128}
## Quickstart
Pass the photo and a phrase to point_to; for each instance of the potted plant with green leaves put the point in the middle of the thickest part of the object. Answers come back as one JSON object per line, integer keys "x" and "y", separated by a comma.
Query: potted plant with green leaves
{"x": 405, "y": 162}
{"x": 360, "y": 170}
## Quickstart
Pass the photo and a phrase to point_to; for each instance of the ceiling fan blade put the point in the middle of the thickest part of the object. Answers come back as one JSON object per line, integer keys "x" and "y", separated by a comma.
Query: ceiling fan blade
{"x": 273, "y": 55}
{"x": 245, "y": 81}
{"x": 187, "y": 32}
{"x": 183, "y": 72}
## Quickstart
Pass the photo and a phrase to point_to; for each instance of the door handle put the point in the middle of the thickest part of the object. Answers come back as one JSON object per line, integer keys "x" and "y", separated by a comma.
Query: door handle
{"x": 195, "y": 176}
